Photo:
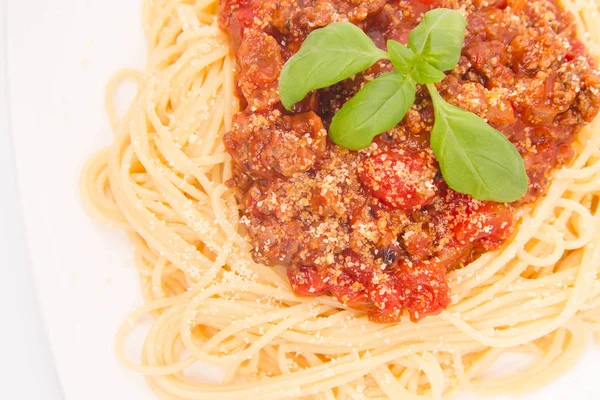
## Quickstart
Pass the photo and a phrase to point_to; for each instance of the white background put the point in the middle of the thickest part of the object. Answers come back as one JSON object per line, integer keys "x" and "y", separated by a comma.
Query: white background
{"x": 60, "y": 54}
{"x": 26, "y": 357}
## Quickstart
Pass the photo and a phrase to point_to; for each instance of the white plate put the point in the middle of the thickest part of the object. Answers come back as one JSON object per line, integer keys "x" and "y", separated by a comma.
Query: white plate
{"x": 61, "y": 52}
{"x": 27, "y": 358}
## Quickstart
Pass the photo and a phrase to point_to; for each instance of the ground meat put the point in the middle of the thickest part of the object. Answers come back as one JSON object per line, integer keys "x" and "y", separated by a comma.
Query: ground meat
{"x": 270, "y": 145}
{"x": 379, "y": 228}
{"x": 537, "y": 48}
{"x": 259, "y": 63}
{"x": 471, "y": 96}
{"x": 489, "y": 62}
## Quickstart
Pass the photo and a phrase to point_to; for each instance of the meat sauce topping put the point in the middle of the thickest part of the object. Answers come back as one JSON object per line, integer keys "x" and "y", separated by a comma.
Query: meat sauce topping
{"x": 378, "y": 228}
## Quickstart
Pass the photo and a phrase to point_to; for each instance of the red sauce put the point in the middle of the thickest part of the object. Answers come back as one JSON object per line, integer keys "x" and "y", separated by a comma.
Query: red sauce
{"x": 379, "y": 229}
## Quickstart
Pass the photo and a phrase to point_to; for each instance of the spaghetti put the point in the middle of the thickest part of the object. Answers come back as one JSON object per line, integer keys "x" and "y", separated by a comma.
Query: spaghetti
{"x": 162, "y": 180}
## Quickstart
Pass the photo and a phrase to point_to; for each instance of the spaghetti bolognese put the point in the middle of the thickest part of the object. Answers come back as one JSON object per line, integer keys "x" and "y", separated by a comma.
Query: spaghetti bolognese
{"x": 528, "y": 284}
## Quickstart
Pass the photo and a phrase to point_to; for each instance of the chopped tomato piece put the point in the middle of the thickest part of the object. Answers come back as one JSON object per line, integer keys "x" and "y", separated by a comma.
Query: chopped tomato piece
{"x": 424, "y": 288}
{"x": 306, "y": 281}
{"x": 475, "y": 221}
{"x": 400, "y": 178}
{"x": 418, "y": 243}
{"x": 347, "y": 289}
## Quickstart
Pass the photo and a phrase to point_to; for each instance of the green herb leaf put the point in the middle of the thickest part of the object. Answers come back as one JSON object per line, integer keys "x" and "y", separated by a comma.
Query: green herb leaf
{"x": 401, "y": 56}
{"x": 438, "y": 39}
{"x": 425, "y": 73}
{"x": 407, "y": 62}
{"x": 377, "y": 107}
{"x": 327, "y": 56}
{"x": 475, "y": 159}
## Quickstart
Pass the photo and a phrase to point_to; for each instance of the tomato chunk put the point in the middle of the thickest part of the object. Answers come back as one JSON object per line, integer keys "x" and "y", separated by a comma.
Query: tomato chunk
{"x": 306, "y": 281}
{"x": 401, "y": 179}
{"x": 424, "y": 288}
{"x": 475, "y": 222}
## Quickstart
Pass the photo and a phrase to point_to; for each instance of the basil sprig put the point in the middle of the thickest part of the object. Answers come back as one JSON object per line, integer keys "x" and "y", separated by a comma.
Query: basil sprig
{"x": 474, "y": 158}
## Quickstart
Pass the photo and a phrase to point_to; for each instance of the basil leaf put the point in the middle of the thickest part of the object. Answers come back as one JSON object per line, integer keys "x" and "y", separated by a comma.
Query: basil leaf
{"x": 475, "y": 159}
{"x": 377, "y": 107}
{"x": 327, "y": 56}
{"x": 401, "y": 56}
{"x": 425, "y": 73}
{"x": 406, "y": 61}
{"x": 438, "y": 39}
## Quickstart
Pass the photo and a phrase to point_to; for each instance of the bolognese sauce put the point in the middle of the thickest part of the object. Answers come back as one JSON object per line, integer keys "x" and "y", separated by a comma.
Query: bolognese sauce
{"x": 379, "y": 229}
